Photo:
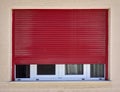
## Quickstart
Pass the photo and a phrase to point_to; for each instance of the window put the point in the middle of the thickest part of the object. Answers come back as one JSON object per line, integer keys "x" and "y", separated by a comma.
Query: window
{"x": 60, "y": 44}
{"x": 65, "y": 72}
{"x": 22, "y": 71}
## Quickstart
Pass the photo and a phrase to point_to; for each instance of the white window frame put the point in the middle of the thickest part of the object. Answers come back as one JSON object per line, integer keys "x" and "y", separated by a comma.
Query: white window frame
{"x": 59, "y": 74}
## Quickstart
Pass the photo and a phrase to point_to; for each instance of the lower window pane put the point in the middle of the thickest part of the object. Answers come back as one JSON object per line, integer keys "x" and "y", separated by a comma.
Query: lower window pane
{"x": 73, "y": 69}
{"x": 97, "y": 70}
{"x": 22, "y": 71}
{"x": 46, "y": 69}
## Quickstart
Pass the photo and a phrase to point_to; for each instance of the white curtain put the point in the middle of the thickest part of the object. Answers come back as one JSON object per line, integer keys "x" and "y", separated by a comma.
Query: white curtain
{"x": 97, "y": 70}
{"x": 74, "y": 69}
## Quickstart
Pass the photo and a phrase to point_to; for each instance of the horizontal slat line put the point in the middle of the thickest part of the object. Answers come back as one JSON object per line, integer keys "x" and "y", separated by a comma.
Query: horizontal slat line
{"x": 67, "y": 45}
{"x": 62, "y": 53}
{"x": 67, "y": 48}
{"x": 48, "y": 49}
{"x": 75, "y": 16}
{"x": 64, "y": 37}
{"x": 59, "y": 45}
{"x": 67, "y": 52}
{"x": 88, "y": 52}
{"x": 69, "y": 18}
{"x": 62, "y": 34}
{"x": 60, "y": 20}
{"x": 61, "y": 29}
{"x": 72, "y": 53}
{"x": 65, "y": 31}
{"x": 99, "y": 32}
{"x": 59, "y": 24}
{"x": 65, "y": 41}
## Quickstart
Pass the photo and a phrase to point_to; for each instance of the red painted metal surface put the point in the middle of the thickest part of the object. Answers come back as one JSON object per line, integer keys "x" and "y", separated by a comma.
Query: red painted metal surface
{"x": 106, "y": 49}
{"x": 60, "y": 36}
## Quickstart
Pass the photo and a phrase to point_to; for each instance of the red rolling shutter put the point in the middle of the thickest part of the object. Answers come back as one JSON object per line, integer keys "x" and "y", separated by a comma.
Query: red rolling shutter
{"x": 60, "y": 36}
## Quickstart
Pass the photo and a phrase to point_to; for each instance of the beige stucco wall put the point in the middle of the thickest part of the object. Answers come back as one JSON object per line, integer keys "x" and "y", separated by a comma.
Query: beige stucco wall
{"x": 6, "y": 85}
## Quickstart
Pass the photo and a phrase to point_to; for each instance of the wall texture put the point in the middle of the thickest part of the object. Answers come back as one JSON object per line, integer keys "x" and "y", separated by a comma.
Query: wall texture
{"x": 6, "y": 85}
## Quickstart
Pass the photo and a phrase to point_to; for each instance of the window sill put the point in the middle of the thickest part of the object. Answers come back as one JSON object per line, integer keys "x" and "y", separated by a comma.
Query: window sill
{"x": 62, "y": 84}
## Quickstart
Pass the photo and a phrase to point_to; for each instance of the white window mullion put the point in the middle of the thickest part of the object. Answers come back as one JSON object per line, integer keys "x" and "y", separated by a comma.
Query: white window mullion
{"x": 61, "y": 71}
{"x": 57, "y": 68}
{"x": 87, "y": 72}
{"x": 33, "y": 71}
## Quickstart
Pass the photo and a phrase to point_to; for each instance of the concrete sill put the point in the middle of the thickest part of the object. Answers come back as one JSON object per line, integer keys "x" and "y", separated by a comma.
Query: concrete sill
{"x": 61, "y": 84}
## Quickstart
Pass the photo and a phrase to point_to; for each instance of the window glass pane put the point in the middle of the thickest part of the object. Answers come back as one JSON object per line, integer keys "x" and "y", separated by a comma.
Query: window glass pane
{"x": 97, "y": 70}
{"x": 73, "y": 69}
{"x": 46, "y": 69}
{"x": 22, "y": 71}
